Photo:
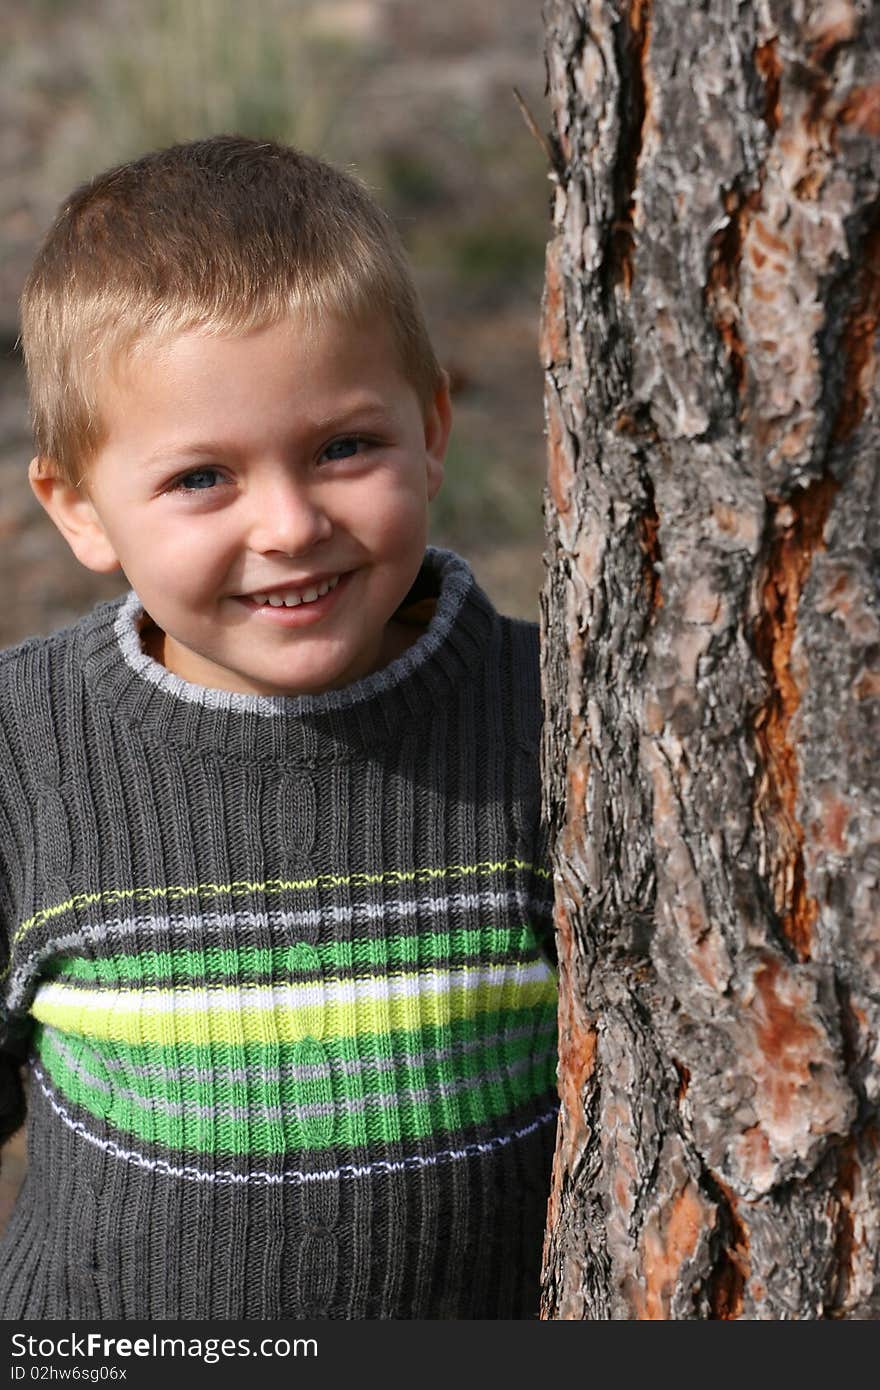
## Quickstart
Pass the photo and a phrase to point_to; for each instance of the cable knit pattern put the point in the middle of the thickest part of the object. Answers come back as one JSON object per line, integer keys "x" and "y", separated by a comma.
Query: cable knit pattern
{"x": 278, "y": 967}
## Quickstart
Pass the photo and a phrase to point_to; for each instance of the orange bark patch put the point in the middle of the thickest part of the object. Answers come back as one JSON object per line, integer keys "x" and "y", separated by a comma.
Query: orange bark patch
{"x": 578, "y": 777}
{"x": 560, "y": 457}
{"x": 753, "y": 1151}
{"x": 838, "y": 31}
{"x": 732, "y": 1270}
{"x": 650, "y": 543}
{"x": 684, "y": 1079}
{"x": 578, "y": 780}
{"x": 726, "y": 247}
{"x": 706, "y": 955}
{"x": 797, "y": 537}
{"x": 867, "y": 687}
{"x": 830, "y": 831}
{"x": 770, "y": 239}
{"x": 577, "y": 1055}
{"x": 809, "y": 186}
{"x": 769, "y": 65}
{"x": 654, "y": 719}
{"x": 722, "y": 284}
{"x": 783, "y": 1037}
{"x": 554, "y": 332}
{"x": 788, "y": 1042}
{"x": 801, "y": 1095}
{"x": 638, "y": 83}
{"x": 670, "y": 1239}
{"x": 862, "y": 109}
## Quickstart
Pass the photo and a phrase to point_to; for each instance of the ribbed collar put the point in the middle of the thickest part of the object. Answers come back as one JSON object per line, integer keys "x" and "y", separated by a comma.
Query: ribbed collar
{"x": 302, "y": 728}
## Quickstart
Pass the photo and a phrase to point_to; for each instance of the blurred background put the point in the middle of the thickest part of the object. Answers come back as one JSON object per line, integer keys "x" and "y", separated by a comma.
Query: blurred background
{"x": 418, "y": 100}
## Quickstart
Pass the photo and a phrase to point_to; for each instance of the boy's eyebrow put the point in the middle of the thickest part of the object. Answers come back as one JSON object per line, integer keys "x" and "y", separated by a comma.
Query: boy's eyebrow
{"x": 167, "y": 455}
{"x": 366, "y": 409}
{"x": 369, "y": 412}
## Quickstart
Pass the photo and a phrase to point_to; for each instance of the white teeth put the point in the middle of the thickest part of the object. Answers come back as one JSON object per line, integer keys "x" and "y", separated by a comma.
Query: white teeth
{"x": 293, "y": 600}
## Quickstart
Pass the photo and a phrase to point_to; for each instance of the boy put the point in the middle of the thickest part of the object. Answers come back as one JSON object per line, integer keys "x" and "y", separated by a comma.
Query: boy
{"x": 271, "y": 860}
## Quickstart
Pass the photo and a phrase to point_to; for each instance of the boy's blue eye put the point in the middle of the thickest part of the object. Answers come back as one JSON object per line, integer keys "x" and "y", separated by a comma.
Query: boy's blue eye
{"x": 186, "y": 481}
{"x": 343, "y": 448}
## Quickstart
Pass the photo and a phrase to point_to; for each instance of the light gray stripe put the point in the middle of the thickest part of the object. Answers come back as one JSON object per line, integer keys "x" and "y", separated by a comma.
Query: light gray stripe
{"x": 205, "y": 925}
{"x": 226, "y": 1177}
{"x": 388, "y": 1100}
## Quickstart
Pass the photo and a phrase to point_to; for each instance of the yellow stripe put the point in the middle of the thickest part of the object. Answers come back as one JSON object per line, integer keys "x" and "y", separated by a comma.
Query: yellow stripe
{"x": 288, "y": 1024}
{"x": 269, "y": 887}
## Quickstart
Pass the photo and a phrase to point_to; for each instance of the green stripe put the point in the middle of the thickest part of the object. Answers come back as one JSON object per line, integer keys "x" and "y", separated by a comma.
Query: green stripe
{"x": 401, "y": 1118}
{"x": 371, "y": 1079}
{"x": 254, "y": 962}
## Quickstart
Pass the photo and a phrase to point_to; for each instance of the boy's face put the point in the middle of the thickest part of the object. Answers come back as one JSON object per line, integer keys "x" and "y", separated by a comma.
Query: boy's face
{"x": 274, "y": 462}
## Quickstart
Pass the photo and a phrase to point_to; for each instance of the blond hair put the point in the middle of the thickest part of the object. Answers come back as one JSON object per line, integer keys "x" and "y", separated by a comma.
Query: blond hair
{"x": 227, "y": 235}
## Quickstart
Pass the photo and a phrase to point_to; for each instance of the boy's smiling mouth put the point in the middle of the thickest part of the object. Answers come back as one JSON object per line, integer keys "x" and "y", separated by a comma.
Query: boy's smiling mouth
{"x": 294, "y": 594}
{"x": 298, "y": 603}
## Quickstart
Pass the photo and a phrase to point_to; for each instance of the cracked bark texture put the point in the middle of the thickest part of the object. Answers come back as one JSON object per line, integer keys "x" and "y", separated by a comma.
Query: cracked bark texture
{"x": 711, "y": 657}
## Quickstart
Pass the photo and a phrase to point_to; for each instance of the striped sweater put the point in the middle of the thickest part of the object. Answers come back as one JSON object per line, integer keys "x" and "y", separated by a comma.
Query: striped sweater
{"x": 277, "y": 969}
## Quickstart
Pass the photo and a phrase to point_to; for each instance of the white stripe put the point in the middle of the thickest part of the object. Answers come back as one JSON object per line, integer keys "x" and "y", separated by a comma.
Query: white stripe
{"x": 314, "y": 994}
{"x": 225, "y": 1177}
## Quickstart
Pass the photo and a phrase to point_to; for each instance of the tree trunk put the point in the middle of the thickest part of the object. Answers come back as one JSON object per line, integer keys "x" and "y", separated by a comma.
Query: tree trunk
{"x": 711, "y": 669}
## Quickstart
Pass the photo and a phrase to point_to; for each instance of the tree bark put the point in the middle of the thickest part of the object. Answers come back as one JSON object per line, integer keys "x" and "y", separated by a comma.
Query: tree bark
{"x": 711, "y": 666}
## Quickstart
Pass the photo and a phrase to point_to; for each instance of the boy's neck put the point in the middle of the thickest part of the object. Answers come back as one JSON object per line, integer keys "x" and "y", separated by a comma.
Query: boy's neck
{"x": 400, "y": 633}
{"x": 153, "y": 641}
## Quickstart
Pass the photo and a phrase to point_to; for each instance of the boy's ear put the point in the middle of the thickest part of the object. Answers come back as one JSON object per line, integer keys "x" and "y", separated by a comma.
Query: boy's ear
{"x": 438, "y": 423}
{"x": 74, "y": 514}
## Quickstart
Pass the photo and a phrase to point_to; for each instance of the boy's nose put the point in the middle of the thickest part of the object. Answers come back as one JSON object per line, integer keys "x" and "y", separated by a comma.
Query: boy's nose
{"x": 288, "y": 518}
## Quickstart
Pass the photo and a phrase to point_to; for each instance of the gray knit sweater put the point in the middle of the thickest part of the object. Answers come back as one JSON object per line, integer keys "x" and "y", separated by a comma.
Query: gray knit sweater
{"x": 274, "y": 966}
